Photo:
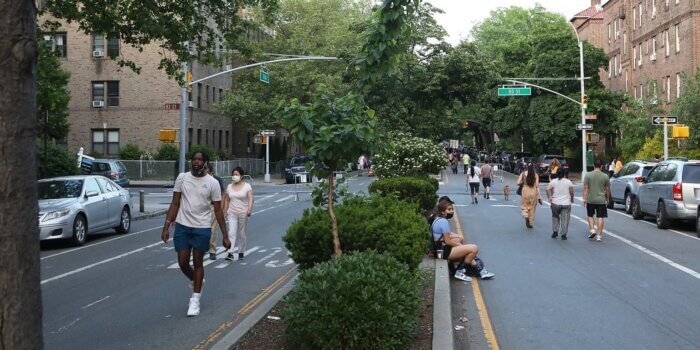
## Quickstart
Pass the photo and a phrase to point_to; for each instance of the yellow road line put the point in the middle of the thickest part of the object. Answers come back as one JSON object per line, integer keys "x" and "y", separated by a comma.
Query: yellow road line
{"x": 479, "y": 299}
{"x": 214, "y": 335}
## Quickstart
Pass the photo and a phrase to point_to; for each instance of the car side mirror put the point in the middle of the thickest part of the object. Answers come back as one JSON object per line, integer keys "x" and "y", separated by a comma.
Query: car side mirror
{"x": 89, "y": 194}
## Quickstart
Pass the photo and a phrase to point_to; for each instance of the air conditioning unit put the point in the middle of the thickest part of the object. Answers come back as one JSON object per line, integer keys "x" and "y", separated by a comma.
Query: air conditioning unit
{"x": 190, "y": 104}
{"x": 654, "y": 101}
{"x": 98, "y": 54}
{"x": 652, "y": 57}
{"x": 98, "y": 104}
{"x": 653, "y": 13}
{"x": 639, "y": 62}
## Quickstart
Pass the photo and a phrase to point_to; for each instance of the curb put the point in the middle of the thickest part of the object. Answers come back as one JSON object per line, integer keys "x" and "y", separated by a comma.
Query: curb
{"x": 150, "y": 215}
{"x": 254, "y": 317}
{"x": 442, "y": 307}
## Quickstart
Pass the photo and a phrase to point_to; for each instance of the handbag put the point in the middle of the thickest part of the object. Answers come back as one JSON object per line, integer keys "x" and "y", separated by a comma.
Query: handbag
{"x": 519, "y": 191}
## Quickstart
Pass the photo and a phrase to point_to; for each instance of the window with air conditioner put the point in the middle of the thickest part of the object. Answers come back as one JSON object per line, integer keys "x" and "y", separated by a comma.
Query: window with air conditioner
{"x": 98, "y": 45}
{"x": 105, "y": 45}
{"x": 105, "y": 93}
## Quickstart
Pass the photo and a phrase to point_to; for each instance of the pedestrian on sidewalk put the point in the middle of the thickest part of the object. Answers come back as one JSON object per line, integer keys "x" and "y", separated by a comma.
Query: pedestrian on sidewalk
{"x": 465, "y": 160}
{"x": 238, "y": 205}
{"x": 560, "y": 193}
{"x": 454, "y": 162}
{"x": 596, "y": 191}
{"x": 214, "y": 225}
{"x": 453, "y": 247}
{"x": 530, "y": 194}
{"x": 361, "y": 164}
{"x": 486, "y": 176}
{"x": 473, "y": 181}
{"x": 190, "y": 209}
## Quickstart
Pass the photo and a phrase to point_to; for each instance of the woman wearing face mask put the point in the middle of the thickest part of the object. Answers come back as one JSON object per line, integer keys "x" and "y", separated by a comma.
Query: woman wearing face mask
{"x": 238, "y": 206}
{"x": 453, "y": 248}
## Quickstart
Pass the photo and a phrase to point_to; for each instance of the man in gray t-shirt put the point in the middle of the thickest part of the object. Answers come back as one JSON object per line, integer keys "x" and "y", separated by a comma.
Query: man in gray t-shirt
{"x": 596, "y": 191}
{"x": 486, "y": 176}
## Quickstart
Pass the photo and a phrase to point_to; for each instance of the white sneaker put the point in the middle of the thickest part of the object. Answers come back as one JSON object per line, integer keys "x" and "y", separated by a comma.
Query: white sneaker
{"x": 485, "y": 275}
{"x": 598, "y": 238}
{"x": 193, "y": 310}
{"x": 460, "y": 275}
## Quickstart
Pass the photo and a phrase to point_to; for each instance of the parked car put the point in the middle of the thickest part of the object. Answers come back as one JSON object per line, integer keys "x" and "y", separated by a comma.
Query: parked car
{"x": 518, "y": 168}
{"x": 669, "y": 192}
{"x": 624, "y": 185}
{"x": 297, "y": 166}
{"x": 73, "y": 206}
{"x": 112, "y": 169}
{"x": 517, "y": 158}
{"x": 543, "y": 162}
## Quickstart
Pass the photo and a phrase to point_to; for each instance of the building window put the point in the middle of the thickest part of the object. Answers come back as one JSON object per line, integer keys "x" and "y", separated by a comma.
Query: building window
{"x": 615, "y": 29}
{"x": 105, "y": 144}
{"x": 113, "y": 45}
{"x": 653, "y": 46}
{"x": 653, "y": 8}
{"x": 112, "y": 90}
{"x": 635, "y": 92}
{"x": 634, "y": 18}
{"x": 678, "y": 85}
{"x": 227, "y": 139}
{"x": 634, "y": 59}
{"x": 189, "y": 138}
{"x": 98, "y": 42}
{"x": 221, "y": 94}
{"x": 668, "y": 89}
{"x": 624, "y": 44}
{"x": 627, "y": 82}
{"x": 199, "y": 136}
{"x": 220, "y": 138}
{"x": 609, "y": 32}
{"x": 641, "y": 56}
{"x": 678, "y": 38}
{"x": 641, "y": 12}
{"x": 57, "y": 42}
{"x": 616, "y": 70}
{"x": 666, "y": 43}
{"x": 213, "y": 95}
{"x": 609, "y": 68}
{"x": 199, "y": 95}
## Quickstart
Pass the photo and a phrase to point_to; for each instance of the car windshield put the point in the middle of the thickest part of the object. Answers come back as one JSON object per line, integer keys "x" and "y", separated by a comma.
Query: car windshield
{"x": 60, "y": 189}
{"x": 691, "y": 173}
{"x": 120, "y": 166}
{"x": 646, "y": 170}
{"x": 299, "y": 161}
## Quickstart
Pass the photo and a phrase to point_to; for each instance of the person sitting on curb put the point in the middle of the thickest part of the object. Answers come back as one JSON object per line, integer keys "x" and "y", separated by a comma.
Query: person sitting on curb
{"x": 453, "y": 246}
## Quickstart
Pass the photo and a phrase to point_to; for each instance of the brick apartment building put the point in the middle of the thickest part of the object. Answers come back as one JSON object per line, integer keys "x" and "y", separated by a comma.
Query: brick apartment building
{"x": 111, "y": 107}
{"x": 650, "y": 44}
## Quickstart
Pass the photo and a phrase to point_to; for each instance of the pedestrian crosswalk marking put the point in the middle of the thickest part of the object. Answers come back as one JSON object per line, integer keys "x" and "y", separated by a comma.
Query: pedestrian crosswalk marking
{"x": 268, "y": 256}
{"x": 220, "y": 253}
{"x": 235, "y": 257}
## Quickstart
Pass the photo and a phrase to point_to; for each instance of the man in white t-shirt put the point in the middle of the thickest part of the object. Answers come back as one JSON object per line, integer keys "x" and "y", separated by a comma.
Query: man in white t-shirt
{"x": 190, "y": 210}
{"x": 560, "y": 193}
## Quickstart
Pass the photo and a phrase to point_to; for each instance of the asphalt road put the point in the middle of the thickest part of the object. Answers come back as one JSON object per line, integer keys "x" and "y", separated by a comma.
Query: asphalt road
{"x": 637, "y": 289}
{"x": 126, "y": 291}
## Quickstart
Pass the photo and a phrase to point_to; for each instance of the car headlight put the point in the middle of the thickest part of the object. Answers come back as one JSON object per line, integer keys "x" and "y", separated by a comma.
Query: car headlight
{"x": 56, "y": 214}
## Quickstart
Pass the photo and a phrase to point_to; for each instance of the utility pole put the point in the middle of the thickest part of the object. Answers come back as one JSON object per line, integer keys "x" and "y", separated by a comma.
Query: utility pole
{"x": 183, "y": 115}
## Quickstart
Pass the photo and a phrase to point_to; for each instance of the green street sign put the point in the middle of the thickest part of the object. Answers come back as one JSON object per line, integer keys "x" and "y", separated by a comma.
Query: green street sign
{"x": 514, "y": 91}
{"x": 264, "y": 76}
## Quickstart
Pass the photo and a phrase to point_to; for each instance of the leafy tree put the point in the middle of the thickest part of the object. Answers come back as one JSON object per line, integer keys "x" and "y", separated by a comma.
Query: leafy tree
{"x": 52, "y": 95}
{"x": 56, "y": 161}
{"x": 167, "y": 151}
{"x": 687, "y": 107}
{"x": 634, "y": 126}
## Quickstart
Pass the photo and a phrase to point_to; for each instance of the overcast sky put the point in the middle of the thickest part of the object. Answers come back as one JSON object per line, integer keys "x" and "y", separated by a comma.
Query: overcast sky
{"x": 461, "y": 15}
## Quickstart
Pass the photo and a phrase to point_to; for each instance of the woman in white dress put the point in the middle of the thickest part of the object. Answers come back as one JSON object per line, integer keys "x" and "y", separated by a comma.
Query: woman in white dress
{"x": 238, "y": 206}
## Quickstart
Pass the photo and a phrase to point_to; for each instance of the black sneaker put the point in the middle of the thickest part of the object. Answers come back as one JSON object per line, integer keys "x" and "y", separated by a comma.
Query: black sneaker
{"x": 229, "y": 257}
{"x": 555, "y": 234}
{"x": 563, "y": 237}
{"x": 212, "y": 256}
{"x": 476, "y": 200}
{"x": 240, "y": 256}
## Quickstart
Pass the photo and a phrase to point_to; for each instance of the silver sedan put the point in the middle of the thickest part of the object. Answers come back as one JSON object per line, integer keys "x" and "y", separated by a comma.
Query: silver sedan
{"x": 72, "y": 206}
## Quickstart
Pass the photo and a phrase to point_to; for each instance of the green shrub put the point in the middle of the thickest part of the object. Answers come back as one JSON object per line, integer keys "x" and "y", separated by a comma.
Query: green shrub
{"x": 130, "y": 152}
{"x": 409, "y": 156}
{"x": 385, "y": 224}
{"x": 363, "y": 300}
{"x": 421, "y": 192}
{"x": 55, "y": 161}
{"x": 167, "y": 151}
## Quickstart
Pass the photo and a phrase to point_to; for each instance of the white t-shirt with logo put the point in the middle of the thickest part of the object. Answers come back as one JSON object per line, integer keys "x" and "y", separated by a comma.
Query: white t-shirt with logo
{"x": 560, "y": 191}
{"x": 195, "y": 201}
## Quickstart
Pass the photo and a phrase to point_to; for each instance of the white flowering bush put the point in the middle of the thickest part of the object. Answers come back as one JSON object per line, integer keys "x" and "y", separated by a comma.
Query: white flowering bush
{"x": 409, "y": 156}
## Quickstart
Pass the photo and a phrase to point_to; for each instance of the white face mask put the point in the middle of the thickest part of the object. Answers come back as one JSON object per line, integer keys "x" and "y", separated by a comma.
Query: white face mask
{"x": 236, "y": 178}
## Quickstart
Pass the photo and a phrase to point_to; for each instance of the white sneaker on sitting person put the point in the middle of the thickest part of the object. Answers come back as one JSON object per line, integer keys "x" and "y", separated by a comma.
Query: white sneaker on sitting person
{"x": 461, "y": 275}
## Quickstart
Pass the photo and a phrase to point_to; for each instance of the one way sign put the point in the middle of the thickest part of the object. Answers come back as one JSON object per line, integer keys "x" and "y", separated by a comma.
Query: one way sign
{"x": 660, "y": 119}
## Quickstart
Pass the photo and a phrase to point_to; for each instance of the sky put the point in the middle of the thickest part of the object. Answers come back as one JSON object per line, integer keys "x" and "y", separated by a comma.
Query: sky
{"x": 461, "y": 15}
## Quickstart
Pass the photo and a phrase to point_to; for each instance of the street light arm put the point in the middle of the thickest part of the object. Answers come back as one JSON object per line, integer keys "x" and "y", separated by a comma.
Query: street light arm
{"x": 543, "y": 88}
{"x": 575, "y": 32}
{"x": 305, "y": 58}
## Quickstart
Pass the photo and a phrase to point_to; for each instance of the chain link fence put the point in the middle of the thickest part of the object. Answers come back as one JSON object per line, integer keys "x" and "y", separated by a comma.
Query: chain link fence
{"x": 167, "y": 170}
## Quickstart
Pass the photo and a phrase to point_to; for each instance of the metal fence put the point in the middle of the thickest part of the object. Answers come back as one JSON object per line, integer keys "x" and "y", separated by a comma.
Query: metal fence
{"x": 167, "y": 170}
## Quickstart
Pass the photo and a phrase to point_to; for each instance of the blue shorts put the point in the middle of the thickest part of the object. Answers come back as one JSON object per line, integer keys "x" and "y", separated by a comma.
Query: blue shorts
{"x": 186, "y": 238}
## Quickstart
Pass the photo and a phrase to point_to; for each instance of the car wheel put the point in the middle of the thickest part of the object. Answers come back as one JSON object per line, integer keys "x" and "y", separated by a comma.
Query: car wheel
{"x": 628, "y": 203}
{"x": 80, "y": 230}
{"x": 125, "y": 221}
{"x": 636, "y": 209}
{"x": 661, "y": 216}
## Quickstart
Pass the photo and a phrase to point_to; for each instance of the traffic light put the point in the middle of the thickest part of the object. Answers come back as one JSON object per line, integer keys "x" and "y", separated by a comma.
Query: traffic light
{"x": 167, "y": 135}
{"x": 584, "y": 101}
{"x": 680, "y": 132}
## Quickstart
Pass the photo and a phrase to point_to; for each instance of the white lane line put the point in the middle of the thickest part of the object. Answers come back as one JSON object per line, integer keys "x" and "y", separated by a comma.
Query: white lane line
{"x": 505, "y": 205}
{"x": 207, "y": 261}
{"x": 645, "y": 250}
{"x": 98, "y": 263}
{"x": 262, "y": 198}
{"x": 226, "y": 263}
{"x": 266, "y": 209}
{"x": 687, "y": 235}
{"x": 95, "y": 302}
{"x": 268, "y": 256}
{"x": 273, "y": 263}
{"x": 102, "y": 242}
{"x": 284, "y": 199}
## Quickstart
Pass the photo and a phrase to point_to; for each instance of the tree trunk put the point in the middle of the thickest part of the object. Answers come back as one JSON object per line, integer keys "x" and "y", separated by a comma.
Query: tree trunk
{"x": 334, "y": 221}
{"x": 20, "y": 292}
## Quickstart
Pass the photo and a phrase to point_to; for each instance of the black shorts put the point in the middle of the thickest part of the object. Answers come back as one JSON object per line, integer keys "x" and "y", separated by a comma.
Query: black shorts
{"x": 600, "y": 210}
{"x": 486, "y": 181}
{"x": 474, "y": 187}
{"x": 446, "y": 249}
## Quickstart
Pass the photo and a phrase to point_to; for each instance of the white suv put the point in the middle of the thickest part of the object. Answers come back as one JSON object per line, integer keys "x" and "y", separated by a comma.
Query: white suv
{"x": 624, "y": 185}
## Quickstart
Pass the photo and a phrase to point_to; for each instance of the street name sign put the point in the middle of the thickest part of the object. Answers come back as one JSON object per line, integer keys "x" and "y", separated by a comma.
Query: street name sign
{"x": 267, "y": 133}
{"x": 514, "y": 91}
{"x": 659, "y": 120}
{"x": 591, "y": 117}
{"x": 584, "y": 126}
{"x": 265, "y": 76}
